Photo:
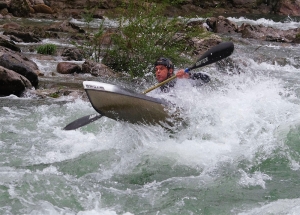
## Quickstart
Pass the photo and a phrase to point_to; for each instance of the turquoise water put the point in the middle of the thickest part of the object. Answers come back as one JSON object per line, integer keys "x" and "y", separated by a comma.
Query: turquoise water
{"x": 239, "y": 153}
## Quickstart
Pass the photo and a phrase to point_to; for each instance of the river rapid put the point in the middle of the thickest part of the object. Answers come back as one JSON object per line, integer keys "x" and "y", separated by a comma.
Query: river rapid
{"x": 238, "y": 153}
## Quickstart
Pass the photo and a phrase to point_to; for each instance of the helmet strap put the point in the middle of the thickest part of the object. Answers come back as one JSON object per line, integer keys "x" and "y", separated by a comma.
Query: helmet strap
{"x": 169, "y": 72}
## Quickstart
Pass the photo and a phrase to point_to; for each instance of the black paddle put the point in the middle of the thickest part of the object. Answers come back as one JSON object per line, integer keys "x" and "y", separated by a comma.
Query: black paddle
{"x": 82, "y": 121}
{"x": 213, "y": 55}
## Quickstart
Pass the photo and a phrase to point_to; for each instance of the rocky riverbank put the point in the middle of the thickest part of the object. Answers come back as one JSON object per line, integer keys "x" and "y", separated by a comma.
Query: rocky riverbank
{"x": 77, "y": 8}
{"x": 18, "y": 72}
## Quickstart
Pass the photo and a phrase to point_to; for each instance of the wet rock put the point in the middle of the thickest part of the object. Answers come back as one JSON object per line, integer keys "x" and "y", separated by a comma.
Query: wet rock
{"x": 191, "y": 9}
{"x": 31, "y": 10}
{"x": 11, "y": 26}
{"x": 244, "y": 3}
{"x": 6, "y": 42}
{"x": 68, "y": 68}
{"x": 108, "y": 4}
{"x": 39, "y": 2}
{"x": 42, "y": 8}
{"x": 3, "y": 5}
{"x": 202, "y": 45}
{"x": 30, "y": 2}
{"x": 20, "y": 64}
{"x": 65, "y": 26}
{"x": 198, "y": 24}
{"x": 97, "y": 69}
{"x": 5, "y": 14}
{"x": 38, "y": 32}
{"x": 222, "y": 25}
{"x": 68, "y": 8}
{"x": 289, "y": 8}
{"x": 19, "y": 8}
{"x": 98, "y": 14}
{"x": 12, "y": 82}
{"x": 46, "y": 2}
{"x": 228, "y": 66}
{"x": 26, "y": 37}
{"x": 72, "y": 54}
{"x": 56, "y": 92}
{"x": 261, "y": 32}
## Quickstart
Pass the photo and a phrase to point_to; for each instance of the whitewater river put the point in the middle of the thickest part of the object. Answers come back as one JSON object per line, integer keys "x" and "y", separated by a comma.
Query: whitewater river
{"x": 238, "y": 153}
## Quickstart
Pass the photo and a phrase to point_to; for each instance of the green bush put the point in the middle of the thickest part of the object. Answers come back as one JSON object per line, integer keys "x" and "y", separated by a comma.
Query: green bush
{"x": 143, "y": 38}
{"x": 47, "y": 49}
{"x": 143, "y": 35}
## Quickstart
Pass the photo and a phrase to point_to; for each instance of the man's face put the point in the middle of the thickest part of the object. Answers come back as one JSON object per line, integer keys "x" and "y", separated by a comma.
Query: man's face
{"x": 162, "y": 72}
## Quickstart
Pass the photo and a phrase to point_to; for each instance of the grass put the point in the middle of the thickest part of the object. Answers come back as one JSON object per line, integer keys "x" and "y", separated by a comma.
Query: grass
{"x": 47, "y": 49}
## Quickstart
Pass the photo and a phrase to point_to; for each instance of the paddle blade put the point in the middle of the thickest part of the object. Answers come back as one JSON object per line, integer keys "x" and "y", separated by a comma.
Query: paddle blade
{"x": 218, "y": 52}
{"x": 82, "y": 121}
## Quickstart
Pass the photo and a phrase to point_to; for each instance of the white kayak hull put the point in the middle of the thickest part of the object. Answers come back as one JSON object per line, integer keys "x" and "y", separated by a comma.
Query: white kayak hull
{"x": 124, "y": 105}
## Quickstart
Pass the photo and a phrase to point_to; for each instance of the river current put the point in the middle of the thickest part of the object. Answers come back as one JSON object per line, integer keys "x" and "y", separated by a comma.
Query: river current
{"x": 238, "y": 154}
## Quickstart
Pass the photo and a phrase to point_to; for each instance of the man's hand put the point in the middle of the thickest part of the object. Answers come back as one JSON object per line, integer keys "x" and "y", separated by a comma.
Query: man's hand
{"x": 182, "y": 74}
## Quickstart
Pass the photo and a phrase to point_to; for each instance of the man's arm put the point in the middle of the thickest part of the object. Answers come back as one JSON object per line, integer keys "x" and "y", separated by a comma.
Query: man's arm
{"x": 196, "y": 76}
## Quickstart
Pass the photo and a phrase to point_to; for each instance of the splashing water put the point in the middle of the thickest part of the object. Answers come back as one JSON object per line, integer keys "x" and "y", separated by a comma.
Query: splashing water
{"x": 237, "y": 154}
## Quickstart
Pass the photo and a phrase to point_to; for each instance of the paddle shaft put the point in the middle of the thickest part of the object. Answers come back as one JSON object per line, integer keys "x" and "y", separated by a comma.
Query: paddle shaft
{"x": 160, "y": 84}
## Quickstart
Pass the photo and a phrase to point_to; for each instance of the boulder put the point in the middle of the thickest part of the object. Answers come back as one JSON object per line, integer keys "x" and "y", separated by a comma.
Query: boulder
{"x": 5, "y": 42}
{"x": 244, "y": 3}
{"x": 107, "y": 4}
{"x": 3, "y": 5}
{"x": 12, "y": 82}
{"x": 202, "y": 45}
{"x": 65, "y": 26}
{"x": 291, "y": 8}
{"x": 11, "y": 26}
{"x": 20, "y": 8}
{"x": 98, "y": 14}
{"x": 221, "y": 25}
{"x": 4, "y": 13}
{"x": 26, "y": 37}
{"x": 39, "y": 2}
{"x": 42, "y": 8}
{"x": 191, "y": 9}
{"x": 229, "y": 66}
{"x": 68, "y": 68}
{"x": 31, "y": 10}
{"x": 72, "y": 54}
{"x": 30, "y": 2}
{"x": 261, "y": 32}
{"x": 20, "y": 64}
{"x": 97, "y": 69}
{"x": 46, "y": 2}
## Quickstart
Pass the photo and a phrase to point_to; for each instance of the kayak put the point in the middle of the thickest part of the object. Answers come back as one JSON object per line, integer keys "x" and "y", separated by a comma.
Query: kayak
{"x": 121, "y": 104}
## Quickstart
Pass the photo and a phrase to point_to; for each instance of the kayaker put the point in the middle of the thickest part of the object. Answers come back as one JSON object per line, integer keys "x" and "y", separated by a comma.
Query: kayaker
{"x": 164, "y": 69}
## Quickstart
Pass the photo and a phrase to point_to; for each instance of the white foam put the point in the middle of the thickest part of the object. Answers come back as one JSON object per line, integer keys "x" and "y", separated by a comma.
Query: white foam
{"x": 255, "y": 179}
{"x": 286, "y": 25}
{"x": 282, "y": 206}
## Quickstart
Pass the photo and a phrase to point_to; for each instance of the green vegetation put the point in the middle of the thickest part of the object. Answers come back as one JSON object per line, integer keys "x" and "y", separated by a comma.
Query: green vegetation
{"x": 48, "y": 49}
{"x": 141, "y": 40}
{"x": 91, "y": 47}
{"x": 54, "y": 95}
{"x": 143, "y": 35}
